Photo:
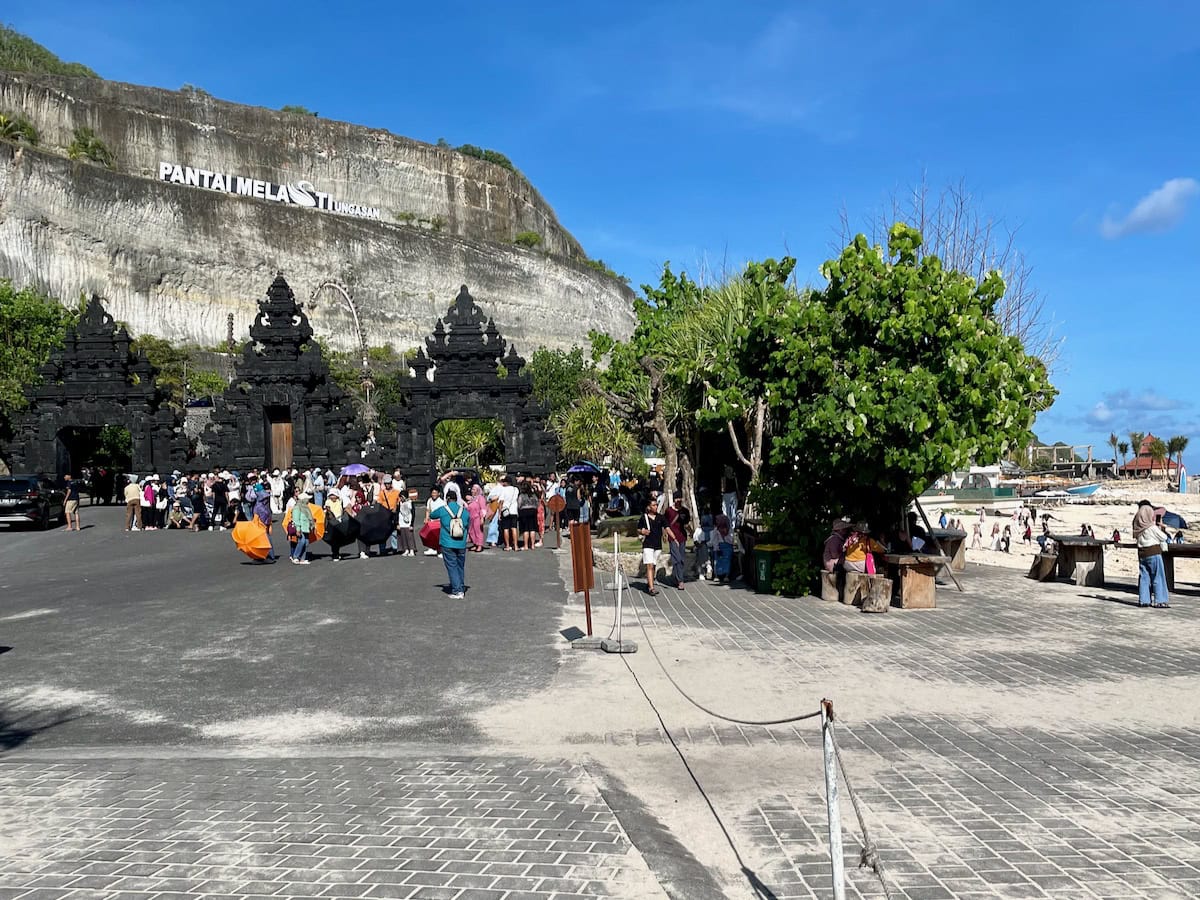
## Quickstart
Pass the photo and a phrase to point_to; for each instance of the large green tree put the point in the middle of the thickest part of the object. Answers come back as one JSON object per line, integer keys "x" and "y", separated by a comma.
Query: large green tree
{"x": 31, "y": 325}
{"x": 894, "y": 374}
{"x": 560, "y": 377}
{"x": 641, "y": 382}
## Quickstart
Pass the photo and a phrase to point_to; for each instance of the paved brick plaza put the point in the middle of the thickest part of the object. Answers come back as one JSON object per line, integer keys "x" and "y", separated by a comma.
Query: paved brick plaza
{"x": 178, "y": 725}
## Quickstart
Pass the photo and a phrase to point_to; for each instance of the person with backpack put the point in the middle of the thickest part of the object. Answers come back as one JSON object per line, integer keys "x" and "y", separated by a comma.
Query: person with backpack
{"x": 455, "y": 519}
{"x": 678, "y": 518}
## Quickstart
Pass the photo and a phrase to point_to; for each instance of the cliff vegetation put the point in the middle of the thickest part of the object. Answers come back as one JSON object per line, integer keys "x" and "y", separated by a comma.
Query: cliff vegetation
{"x": 19, "y": 53}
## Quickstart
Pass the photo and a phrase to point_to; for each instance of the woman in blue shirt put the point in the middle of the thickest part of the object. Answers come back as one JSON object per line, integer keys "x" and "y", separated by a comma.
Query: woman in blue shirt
{"x": 455, "y": 519}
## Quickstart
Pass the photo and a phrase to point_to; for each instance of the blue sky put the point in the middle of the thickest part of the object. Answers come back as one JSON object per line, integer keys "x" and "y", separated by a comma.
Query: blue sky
{"x": 709, "y": 133}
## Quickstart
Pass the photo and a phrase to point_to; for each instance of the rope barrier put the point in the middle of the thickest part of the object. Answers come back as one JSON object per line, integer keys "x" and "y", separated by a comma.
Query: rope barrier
{"x": 700, "y": 706}
{"x": 870, "y": 853}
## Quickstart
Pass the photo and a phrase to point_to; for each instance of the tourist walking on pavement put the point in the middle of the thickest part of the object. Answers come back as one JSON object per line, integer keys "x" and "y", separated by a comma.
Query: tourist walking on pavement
{"x": 404, "y": 524}
{"x": 509, "y": 521}
{"x": 303, "y": 523}
{"x": 678, "y": 519}
{"x": 434, "y": 504}
{"x": 1151, "y": 541}
{"x": 478, "y": 509}
{"x": 71, "y": 503}
{"x": 455, "y": 520}
{"x": 133, "y": 505}
{"x": 262, "y": 512}
{"x": 651, "y": 530}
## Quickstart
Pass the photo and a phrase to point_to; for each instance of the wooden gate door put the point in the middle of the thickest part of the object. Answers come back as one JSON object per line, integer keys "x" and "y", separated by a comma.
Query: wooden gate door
{"x": 279, "y": 445}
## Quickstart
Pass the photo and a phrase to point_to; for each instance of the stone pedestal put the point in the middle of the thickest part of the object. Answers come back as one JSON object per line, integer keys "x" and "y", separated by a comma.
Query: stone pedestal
{"x": 878, "y": 598}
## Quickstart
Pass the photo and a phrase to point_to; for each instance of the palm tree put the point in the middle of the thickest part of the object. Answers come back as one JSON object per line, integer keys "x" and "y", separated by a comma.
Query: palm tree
{"x": 1175, "y": 447}
{"x": 1123, "y": 449}
{"x": 1135, "y": 443}
{"x": 590, "y": 430}
{"x": 1113, "y": 440}
{"x": 1158, "y": 453}
{"x": 87, "y": 145}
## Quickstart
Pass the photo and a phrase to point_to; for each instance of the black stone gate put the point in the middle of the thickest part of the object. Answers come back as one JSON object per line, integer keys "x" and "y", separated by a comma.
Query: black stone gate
{"x": 457, "y": 376}
{"x": 93, "y": 381}
{"x": 282, "y": 408}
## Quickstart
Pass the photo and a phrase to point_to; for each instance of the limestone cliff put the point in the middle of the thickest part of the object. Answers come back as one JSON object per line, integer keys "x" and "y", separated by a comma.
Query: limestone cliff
{"x": 174, "y": 260}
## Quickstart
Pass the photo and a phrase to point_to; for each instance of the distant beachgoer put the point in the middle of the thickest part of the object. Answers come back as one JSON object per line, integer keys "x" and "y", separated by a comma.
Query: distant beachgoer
{"x": 995, "y": 542}
{"x": 976, "y": 537}
{"x": 943, "y": 521}
{"x": 1006, "y": 540}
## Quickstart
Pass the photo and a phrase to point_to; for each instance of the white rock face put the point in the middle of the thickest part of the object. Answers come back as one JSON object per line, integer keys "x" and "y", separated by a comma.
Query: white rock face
{"x": 174, "y": 261}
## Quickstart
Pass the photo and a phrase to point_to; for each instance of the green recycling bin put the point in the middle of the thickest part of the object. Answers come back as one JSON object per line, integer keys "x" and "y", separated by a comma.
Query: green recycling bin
{"x": 764, "y": 566}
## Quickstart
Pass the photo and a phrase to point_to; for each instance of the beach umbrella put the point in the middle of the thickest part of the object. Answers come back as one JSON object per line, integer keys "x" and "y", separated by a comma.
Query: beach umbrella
{"x": 341, "y": 531}
{"x": 318, "y": 515}
{"x": 355, "y": 469}
{"x": 1174, "y": 520}
{"x": 252, "y": 539}
{"x": 375, "y": 524}
{"x": 583, "y": 467}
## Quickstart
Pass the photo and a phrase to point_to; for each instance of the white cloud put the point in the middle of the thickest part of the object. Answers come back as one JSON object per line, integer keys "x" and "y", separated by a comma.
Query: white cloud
{"x": 1160, "y": 210}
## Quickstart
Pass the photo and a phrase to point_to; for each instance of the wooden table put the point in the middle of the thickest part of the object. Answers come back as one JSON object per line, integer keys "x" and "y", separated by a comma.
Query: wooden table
{"x": 1081, "y": 559}
{"x": 954, "y": 545}
{"x": 914, "y": 573}
{"x": 1177, "y": 551}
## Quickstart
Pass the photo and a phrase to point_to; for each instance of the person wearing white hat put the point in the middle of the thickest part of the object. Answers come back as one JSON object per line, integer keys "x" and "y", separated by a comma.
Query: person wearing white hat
{"x": 276, "y": 483}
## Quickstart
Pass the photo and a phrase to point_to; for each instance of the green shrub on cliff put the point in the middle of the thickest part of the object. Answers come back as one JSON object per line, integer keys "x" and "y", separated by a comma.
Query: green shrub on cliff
{"x": 527, "y": 239}
{"x": 492, "y": 156}
{"x": 298, "y": 110}
{"x": 87, "y": 145}
{"x": 601, "y": 266}
{"x": 17, "y": 128}
{"x": 21, "y": 54}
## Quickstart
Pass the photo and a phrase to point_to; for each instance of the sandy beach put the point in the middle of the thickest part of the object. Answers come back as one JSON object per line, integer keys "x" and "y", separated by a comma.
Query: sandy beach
{"x": 1108, "y": 509}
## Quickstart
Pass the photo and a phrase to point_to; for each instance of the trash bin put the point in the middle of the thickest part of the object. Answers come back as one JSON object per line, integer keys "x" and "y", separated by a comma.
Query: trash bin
{"x": 764, "y": 566}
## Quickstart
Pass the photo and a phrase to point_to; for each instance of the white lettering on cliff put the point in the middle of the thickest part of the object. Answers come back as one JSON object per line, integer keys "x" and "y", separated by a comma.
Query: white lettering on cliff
{"x": 298, "y": 193}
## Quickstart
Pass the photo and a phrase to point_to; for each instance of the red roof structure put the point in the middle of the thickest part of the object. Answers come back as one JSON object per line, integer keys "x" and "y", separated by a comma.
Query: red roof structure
{"x": 1142, "y": 463}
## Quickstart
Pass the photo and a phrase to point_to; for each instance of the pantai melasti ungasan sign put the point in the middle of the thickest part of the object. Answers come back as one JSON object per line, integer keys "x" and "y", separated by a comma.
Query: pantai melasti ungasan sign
{"x": 299, "y": 193}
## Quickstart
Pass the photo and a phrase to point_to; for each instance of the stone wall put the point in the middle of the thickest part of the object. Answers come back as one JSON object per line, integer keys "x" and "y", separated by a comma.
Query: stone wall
{"x": 174, "y": 261}
{"x": 144, "y": 126}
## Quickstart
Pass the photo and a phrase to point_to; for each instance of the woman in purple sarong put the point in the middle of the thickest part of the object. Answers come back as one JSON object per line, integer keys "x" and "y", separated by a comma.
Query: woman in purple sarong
{"x": 262, "y": 512}
{"x": 477, "y": 509}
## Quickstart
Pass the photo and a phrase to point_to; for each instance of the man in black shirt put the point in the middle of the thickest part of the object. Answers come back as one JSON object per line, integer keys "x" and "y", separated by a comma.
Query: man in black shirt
{"x": 651, "y": 530}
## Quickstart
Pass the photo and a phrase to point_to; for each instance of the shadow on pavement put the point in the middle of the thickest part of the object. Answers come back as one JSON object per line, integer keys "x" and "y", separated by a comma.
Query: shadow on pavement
{"x": 18, "y": 727}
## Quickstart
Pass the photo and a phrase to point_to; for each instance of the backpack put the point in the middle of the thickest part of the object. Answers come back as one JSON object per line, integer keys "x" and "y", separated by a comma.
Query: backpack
{"x": 456, "y": 524}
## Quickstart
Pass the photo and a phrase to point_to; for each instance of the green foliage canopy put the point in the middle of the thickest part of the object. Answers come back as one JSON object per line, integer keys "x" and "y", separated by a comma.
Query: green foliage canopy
{"x": 31, "y": 325}
{"x": 589, "y": 430}
{"x": 528, "y": 239}
{"x": 86, "y": 144}
{"x": 559, "y": 377}
{"x": 17, "y": 128}
{"x": 19, "y": 53}
{"x": 492, "y": 156}
{"x": 892, "y": 376}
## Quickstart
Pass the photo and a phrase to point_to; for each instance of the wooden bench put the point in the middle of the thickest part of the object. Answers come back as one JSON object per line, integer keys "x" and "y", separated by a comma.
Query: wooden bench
{"x": 914, "y": 574}
{"x": 1177, "y": 551}
{"x": 1081, "y": 559}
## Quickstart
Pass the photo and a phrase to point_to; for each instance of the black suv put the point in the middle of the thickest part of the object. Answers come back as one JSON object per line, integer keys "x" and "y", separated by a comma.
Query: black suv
{"x": 30, "y": 500}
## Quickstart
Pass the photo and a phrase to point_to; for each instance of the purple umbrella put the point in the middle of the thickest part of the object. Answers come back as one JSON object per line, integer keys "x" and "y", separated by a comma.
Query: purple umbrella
{"x": 355, "y": 469}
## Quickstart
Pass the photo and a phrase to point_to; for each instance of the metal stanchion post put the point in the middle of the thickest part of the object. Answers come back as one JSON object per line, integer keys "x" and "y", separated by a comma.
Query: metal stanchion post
{"x": 836, "y": 859}
{"x": 620, "y": 645}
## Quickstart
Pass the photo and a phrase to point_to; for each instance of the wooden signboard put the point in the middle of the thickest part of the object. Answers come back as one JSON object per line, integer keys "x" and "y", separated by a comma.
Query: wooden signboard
{"x": 583, "y": 573}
